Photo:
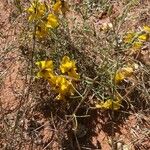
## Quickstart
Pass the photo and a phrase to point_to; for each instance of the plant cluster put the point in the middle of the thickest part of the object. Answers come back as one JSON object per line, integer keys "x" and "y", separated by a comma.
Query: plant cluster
{"x": 135, "y": 40}
{"x": 115, "y": 102}
{"x": 124, "y": 73}
{"x": 63, "y": 85}
{"x": 46, "y": 16}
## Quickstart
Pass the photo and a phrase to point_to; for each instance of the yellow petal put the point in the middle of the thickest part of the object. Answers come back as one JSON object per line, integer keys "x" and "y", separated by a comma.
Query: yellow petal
{"x": 52, "y": 79}
{"x": 127, "y": 71}
{"x": 60, "y": 6}
{"x": 65, "y": 59}
{"x": 42, "y": 31}
{"x": 129, "y": 37}
{"x": 30, "y": 10}
{"x": 39, "y": 63}
{"x": 119, "y": 77}
{"x": 99, "y": 105}
{"x": 52, "y": 21}
{"x": 67, "y": 65}
{"x": 146, "y": 29}
{"x": 46, "y": 68}
{"x": 48, "y": 65}
{"x": 109, "y": 104}
{"x": 63, "y": 86}
{"x": 137, "y": 45}
{"x": 143, "y": 37}
{"x": 123, "y": 73}
{"x": 36, "y": 10}
{"x": 39, "y": 75}
{"x": 57, "y": 6}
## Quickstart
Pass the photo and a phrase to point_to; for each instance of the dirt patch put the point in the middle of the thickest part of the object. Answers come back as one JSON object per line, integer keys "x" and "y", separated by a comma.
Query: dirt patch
{"x": 10, "y": 63}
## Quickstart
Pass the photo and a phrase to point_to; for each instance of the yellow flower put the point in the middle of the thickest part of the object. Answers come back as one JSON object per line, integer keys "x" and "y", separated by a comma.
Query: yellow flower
{"x": 60, "y": 5}
{"x": 68, "y": 66}
{"x": 63, "y": 87}
{"x": 41, "y": 31}
{"x": 129, "y": 37}
{"x": 52, "y": 79}
{"x": 57, "y": 6}
{"x": 36, "y": 10}
{"x": 137, "y": 45}
{"x": 110, "y": 104}
{"x": 52, "y": 21}
{"x": 46, "y": 69}
{"x": 146, "y": 29}
{"x": 62, "y": 84}
{"x": 123, "y": 73}
{"x": 143, "y": 37}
